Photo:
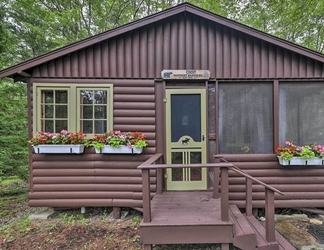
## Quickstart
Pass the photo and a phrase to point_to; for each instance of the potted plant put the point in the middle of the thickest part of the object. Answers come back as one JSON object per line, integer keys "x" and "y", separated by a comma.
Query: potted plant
{"x": 117, "y": 142}
{"x": 58, "y": 143}
{"x": 293, "y": 154}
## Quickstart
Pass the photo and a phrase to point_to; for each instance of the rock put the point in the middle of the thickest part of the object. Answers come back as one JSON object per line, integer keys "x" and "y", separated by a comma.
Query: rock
{"x": 43, "y": 215}
{"x": 262, "y": 219}
{"x": 315, "y": 222}
{"x": 312, "y": 247}
{"x": 280, "y": 217}
{"x": 300, "y": 217}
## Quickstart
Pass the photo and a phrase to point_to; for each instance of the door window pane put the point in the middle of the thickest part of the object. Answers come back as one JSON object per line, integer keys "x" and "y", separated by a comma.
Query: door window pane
{"x": 245, "y": 118}
{"x": 185, "y": 116}
{"x": 301, "y": 113}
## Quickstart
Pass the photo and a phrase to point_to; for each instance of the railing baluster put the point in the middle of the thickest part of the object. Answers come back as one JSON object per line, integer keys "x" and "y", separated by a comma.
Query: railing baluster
{"x": 159, "y": 180}
{"x": 224, "y": 194}
{"x": 146, "y": 195}
{"x": 248, "y": 205}
{"x": 216, "y": 193}
{"x": 269, "y": 212}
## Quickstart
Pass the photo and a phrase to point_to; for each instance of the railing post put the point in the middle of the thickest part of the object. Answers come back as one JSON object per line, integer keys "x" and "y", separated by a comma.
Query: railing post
{"x": 224, "y": 194}
{"x": 159, "y": 180}
{"x": 269, "y": 212}
{"x": 216, "y": 193}
{"x": 146, "y": 195}
{"x": 248, "y": 205}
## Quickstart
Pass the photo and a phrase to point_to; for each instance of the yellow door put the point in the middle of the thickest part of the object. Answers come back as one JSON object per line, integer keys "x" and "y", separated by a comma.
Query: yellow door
{"x": 185, "y": 138}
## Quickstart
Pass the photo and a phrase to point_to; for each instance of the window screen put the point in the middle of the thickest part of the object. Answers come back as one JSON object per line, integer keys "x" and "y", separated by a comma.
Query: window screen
{"x": 245, "y": 118}
{"x": 301, "y": 113}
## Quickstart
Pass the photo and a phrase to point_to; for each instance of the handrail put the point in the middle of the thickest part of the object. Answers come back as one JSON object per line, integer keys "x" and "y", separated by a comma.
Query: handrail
{"x": 257, "y": 181}
{"x": 202, "y": 165}
{"x": 224, "y": 167}
{"x": 239, "y": 171}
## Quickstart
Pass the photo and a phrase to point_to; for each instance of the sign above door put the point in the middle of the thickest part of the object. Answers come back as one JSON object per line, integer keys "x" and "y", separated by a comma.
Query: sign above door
{"x": 185, "y": 74}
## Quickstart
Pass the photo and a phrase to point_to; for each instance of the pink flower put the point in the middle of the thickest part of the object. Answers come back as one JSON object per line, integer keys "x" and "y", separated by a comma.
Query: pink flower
{"x": 64, "y": 132}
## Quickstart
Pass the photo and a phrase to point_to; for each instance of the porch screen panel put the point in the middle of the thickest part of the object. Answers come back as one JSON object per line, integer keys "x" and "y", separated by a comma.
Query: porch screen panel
{"x": 301, "y": 113}
{"x": 245, "y": 118}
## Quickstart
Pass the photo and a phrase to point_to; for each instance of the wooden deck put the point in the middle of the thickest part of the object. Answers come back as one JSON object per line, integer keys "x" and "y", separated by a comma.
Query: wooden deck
{"x": 185, "y": 217}
{"x": 193, "y": 217}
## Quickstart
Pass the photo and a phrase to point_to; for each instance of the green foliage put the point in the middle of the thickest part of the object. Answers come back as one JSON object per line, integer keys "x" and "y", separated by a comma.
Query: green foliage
{"x": 72, "y": 220}
{"x": 13, "y": 130}
{"x": 298, "y": 21}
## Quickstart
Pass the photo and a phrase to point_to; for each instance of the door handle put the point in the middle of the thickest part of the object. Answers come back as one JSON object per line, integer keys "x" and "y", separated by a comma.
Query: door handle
{"x": 203, "y": 138}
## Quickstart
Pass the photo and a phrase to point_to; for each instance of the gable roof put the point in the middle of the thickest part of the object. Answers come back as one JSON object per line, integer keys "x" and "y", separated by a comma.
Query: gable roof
{"x": 19, "y": 69}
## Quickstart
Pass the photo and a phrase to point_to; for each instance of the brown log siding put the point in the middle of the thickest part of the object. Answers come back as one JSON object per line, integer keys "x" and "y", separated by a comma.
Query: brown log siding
{"x": 94, "y": 179}
{"x": 302, "y": 186}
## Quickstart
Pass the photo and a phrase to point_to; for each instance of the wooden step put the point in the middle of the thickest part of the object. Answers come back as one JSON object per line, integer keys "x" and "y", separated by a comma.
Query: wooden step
{"x": 244, "y": 235}
{"x": 260, "y": 231}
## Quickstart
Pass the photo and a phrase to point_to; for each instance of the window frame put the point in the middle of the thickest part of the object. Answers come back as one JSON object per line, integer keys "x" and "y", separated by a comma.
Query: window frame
{"x": 74, "y": 112}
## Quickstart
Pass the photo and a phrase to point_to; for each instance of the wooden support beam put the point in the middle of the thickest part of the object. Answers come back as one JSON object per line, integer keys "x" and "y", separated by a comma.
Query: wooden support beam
{"x": 224, "y": 194}
{"x": 24, "y": 74}
{"x": 146, "y": 195}
{"x": 269, "y": 212}
{"x": 248, "y": 206}
{"x": 116, "y": 213}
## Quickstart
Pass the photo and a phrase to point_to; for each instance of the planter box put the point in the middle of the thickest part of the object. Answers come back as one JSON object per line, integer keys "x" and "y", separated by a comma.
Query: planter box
{"x": 315, "y": 161}
{"x": 119, "y": 150}
{"x": 59, "y": 149}
{"x": 297, "y": 161}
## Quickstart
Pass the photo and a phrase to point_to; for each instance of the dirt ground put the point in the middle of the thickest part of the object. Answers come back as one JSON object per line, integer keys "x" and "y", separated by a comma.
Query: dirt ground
{"x": 69, "y": 229}
{"x": 95, "y": 229}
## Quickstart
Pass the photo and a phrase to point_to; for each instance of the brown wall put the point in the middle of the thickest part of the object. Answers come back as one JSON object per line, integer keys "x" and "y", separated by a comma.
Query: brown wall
{"x": 302, "y": 186}
{"x": 184, "y": 41}
{"x": 94, "y": 179}
{"x": 87, "y": 180}
{"x": 132, "y": 61}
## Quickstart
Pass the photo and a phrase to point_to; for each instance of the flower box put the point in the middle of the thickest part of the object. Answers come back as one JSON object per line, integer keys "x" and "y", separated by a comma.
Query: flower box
{"x": 119, "y": 150}
{"x": 59, "y": 149}
{"x": 298, "y": 161}
{"x": 315, "y": 162}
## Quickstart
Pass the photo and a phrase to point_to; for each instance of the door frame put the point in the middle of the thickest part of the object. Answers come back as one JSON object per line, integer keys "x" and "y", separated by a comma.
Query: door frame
{"x": 191, "y": 146}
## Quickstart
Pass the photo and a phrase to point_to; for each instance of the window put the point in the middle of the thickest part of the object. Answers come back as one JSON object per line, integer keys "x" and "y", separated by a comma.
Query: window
{"x": 73, "y": 107}
{"x": 54, "y": 110}
{"x": 245, "y": 118}
{"x": 301, "y": 113}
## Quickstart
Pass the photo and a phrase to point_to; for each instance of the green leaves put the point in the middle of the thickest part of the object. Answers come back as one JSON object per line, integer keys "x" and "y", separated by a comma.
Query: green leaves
{"x": 13, "y": 129}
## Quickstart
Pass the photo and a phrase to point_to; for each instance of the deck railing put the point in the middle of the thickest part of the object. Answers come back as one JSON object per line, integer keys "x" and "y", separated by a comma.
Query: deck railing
{"x": 221, "y": 168}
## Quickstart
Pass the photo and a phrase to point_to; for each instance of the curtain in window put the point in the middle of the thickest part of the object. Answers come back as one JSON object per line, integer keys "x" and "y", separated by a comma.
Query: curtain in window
{"x": 301, "y": 113}
{"x": 245, "y": 118}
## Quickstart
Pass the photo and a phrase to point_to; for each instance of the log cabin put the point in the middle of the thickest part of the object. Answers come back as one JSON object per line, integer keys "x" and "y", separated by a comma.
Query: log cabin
{"x": 206, "y": 91}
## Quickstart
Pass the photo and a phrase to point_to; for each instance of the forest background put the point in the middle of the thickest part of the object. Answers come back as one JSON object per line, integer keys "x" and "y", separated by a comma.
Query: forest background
{"x": 29, "y": 28}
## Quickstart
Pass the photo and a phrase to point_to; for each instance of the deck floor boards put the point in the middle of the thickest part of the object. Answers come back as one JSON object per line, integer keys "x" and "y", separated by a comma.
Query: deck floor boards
{"x": 186, "y": 208}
